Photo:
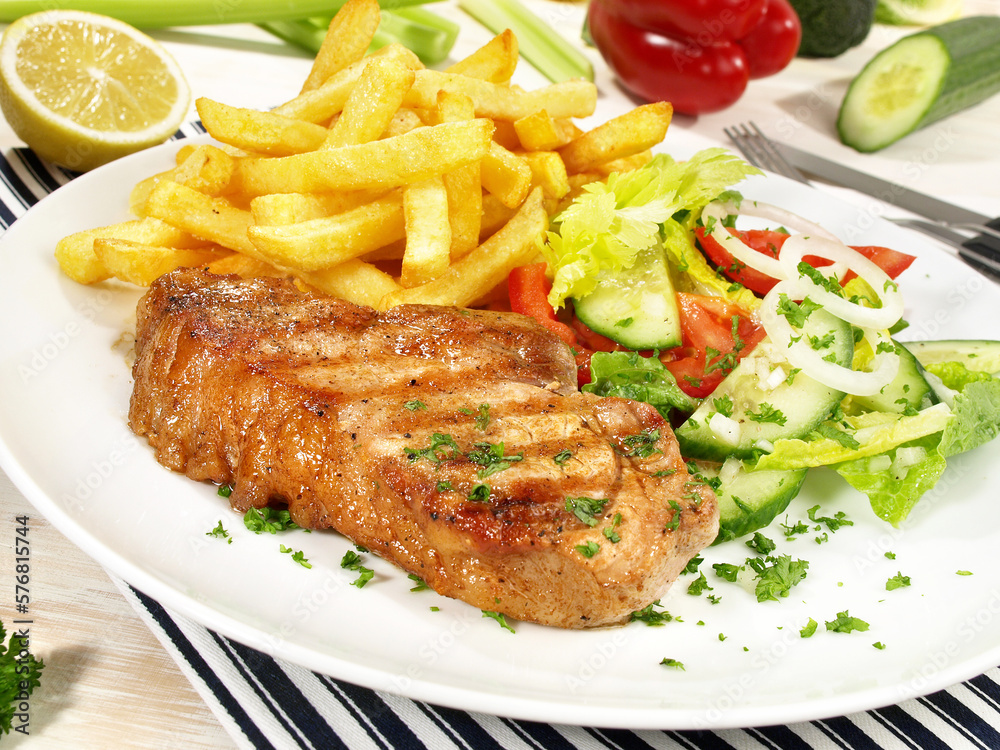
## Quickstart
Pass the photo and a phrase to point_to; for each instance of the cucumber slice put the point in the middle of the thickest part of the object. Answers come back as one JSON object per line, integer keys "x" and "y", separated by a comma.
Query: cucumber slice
{"x": 636, "y": 308}
{"x": 748, "y": 500}
{"x": 917, "y": 12}
{"x": 976, "y": 354}
{"x": 909, "y": 389}
{"x": 756, "y": 410}
{"x": 921, "y": 79}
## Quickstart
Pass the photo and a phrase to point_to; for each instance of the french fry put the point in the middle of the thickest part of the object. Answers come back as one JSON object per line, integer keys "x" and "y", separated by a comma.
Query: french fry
{"x": 245, "y": 266}
{"x": 539, "y": 131}
{"x": 346, "y": 40}
{"x": 506, "y": 175}
{"x": 354, "y": 280}
{"x": 575, "y": 98}
{"x": 204, "y": 168}
{"x": 261, "y": 132}
{"x": 212, "y": 219}
{"x": 428, "y": 233}
{"x": 390, "y": 162}
{"x": 476, "y": 274}
{"x": 140, "y": 264}
{"x": 463, "y": 185}
{"x": 77, "y": 259}
{"x": 495, "y": 61}
{"x": 290, "y": 208}
{"x": 547, "y": 172}
{"x": 373, "y": 102}
{"x": 324, "y": 242}
{"x": 631, "y": 133}
{"x": 320, "y": 104}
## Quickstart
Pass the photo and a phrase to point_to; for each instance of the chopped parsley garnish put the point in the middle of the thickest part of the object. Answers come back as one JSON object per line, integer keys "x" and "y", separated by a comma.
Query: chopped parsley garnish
{"x": 480, "y": 493}
{"x": 563, "y": 456}
{"x": 444, "y": 486}
{"x": 589, "y": 549}
{"x": 225, "y": 490}
{"x": 726, "y": 571}
{"x": 415, "y": 405}
{"x": 809, "y": 629}
{"x": 839, "y": 519}
{"x": 846, "y": 624}
{"x": 651, "y": 616}
{"x": 498, "y": 616}
{"x": 820, "y": 279}
{"x": 963, "y": 572}
{"x": 298, "y": 556}
{"x": 776, "y": 575}
{"x": 642, "y": 445}
{"x": 799, "y": 527}
{"x": 586, "y": 508}
{"x": 761, "y": 544}
{"x": 667, "y": 662}
{"x": 723, "y": 405}
{"x": 675, "y": 519}
{"x": 220, "y": 533}
{"x": 610, "y": 532}
{"x": 491, "y": 457}
{"x": 767, "y": 413}
{"x": 442, "y": 448}
{"x": 693, "y": 563}
{"x": 898, "y": 581}
{"x": 268, "y": 520}
{"x": 796, "y": 312}
{"x": 624, "y": 322}
{"x": 890, "y": 555}
{"x": 699, "y": 586}
{"x": 352, "y": 561}
{"x": 419, "y": 584}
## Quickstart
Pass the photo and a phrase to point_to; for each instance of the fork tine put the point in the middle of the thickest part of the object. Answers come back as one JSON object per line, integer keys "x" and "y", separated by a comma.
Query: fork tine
{"x": 780, "y": 164}
{"x": 761, "y": 152}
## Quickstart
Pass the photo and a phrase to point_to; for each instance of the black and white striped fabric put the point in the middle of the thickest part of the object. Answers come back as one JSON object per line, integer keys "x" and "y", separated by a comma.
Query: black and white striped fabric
{"x": 264, "y": 703}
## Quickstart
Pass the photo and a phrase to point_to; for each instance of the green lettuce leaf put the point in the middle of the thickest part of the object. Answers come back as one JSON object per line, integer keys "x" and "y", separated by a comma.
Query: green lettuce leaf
{"x": 630, "y": 375}
{"x": 606, "y": 226}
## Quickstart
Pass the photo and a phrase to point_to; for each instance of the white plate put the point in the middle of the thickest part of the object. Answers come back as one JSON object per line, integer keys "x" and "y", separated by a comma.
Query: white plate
{"x": 64, "y": 442}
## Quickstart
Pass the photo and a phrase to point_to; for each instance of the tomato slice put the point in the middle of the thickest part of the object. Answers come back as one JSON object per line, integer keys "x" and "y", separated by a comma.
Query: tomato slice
{"x": 528, "y": 288}
{"x": 769, "y": 242}
{"x": 763, "y": 241}
{"x": 710, "y": 349}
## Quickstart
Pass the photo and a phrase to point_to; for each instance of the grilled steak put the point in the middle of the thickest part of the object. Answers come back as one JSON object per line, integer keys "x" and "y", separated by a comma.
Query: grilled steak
{"x": 452, "y": 442}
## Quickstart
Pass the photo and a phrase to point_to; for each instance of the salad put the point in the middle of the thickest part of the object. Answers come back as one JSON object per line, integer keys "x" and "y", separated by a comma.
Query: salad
{"x": 771, "y": 349}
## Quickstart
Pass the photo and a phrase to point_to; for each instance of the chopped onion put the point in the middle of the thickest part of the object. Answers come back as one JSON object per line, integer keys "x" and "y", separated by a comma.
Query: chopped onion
{"x": 730, "y": 468}
{"x": 726, "y": 428}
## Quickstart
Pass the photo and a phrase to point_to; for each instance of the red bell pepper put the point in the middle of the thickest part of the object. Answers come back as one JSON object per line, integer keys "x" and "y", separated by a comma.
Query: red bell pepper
{"x": 692, "y": 52}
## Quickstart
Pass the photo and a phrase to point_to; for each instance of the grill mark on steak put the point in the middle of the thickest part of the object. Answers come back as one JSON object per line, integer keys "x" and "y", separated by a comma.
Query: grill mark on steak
{"x": 301, "y": 399}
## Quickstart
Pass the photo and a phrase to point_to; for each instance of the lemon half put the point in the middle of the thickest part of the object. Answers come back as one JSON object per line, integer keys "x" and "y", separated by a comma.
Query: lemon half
{"x": 81, "y": 89}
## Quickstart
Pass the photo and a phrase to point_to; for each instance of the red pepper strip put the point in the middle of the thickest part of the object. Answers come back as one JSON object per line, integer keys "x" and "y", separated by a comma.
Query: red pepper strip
{"x": 893, "y": 262}
{"x": 528, "y": 289}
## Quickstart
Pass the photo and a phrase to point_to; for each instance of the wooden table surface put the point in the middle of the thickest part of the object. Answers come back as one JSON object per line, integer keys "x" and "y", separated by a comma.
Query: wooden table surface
{"x": 108, "y": 683}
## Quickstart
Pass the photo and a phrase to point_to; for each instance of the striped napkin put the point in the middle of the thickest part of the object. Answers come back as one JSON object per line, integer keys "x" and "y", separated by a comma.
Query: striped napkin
{"x": 266, "y": 703}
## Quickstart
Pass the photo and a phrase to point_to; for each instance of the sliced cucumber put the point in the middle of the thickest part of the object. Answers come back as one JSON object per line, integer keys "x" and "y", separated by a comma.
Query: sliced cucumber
{"x": 637, "y": 308}
{"x": 751, "y": 408}
{"x": 917, "y": 12}
{"x": 748, "y": 500}
{"x": 921, "y": 79}
{"x": 908, "y": 390}
{"x": 976, "y": 354}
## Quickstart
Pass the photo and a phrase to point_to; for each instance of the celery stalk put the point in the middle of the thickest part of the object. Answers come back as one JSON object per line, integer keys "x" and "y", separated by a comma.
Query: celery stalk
{"x": 553, "y": 56}
{"x": 155, "y": 14}
{"x": 427, "y": 34}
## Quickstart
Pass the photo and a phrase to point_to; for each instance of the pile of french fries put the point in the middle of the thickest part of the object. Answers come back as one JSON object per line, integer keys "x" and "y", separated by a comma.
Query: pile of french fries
{"x": 381, "y": 182}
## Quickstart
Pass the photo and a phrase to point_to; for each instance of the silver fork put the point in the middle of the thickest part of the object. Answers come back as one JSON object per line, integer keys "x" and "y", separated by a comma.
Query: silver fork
{"x": 761, "y": 151}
